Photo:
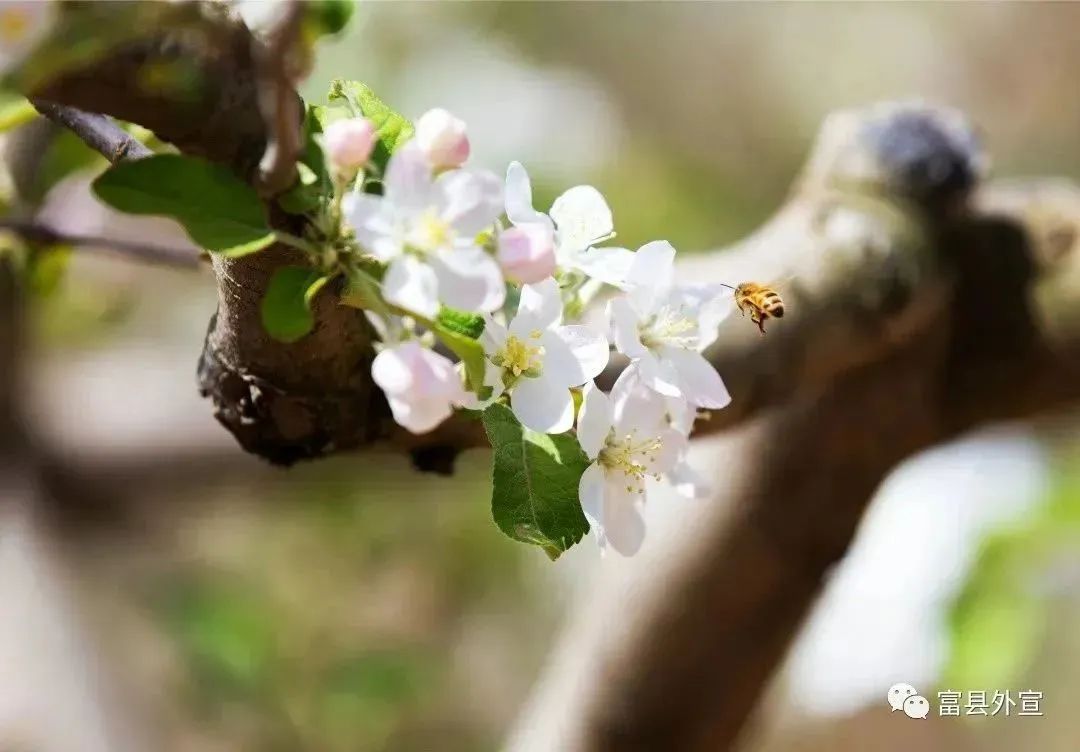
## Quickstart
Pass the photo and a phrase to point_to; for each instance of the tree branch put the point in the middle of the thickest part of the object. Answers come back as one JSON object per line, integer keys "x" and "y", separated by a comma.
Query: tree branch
{"x": 98, "y": 132}
{"x": 279, "y": 71}
{"x": 144, "y": 252}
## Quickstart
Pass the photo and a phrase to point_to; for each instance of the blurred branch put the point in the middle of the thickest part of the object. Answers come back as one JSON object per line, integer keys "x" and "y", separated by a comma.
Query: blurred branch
{"x": 939, "y": 310}
{"x": 98, "y": 132}
{"x": 153, "y": 254}
{"x": 278, "y": 63}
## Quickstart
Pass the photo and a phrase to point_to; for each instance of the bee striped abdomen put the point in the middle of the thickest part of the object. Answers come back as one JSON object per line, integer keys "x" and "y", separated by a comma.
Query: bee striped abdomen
{"x": 762, "y": 302}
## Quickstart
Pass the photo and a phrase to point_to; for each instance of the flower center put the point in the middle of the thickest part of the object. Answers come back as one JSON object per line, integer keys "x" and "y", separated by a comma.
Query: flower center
{"x": 669, "y": 326}
{"x": 632, "y": 456}
{"x": 14, "y": 24}
{"x": 432, "y": 232}
{"x": 519, "y": 357}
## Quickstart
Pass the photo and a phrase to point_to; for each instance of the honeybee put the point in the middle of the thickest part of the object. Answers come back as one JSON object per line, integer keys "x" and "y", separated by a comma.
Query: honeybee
{"x": 763, "y": 302}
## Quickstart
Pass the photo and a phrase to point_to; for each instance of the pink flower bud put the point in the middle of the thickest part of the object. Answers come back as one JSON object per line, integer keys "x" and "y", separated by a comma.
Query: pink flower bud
{"x": 442, "y": 138}
{"x": 527, "y": 253}
{"x": 349, "y": 143}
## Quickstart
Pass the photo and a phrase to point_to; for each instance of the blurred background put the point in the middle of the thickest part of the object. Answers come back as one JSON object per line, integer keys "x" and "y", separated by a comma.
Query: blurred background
{"x": 190, "y": 598}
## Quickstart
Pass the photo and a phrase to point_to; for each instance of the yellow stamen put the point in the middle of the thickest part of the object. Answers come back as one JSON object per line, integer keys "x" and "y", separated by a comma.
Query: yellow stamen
{"x": 517, "y": 356}
{"x": 433, "y": 232}
{"x": 669, "y": 326}
{"x": 631, "y": 456}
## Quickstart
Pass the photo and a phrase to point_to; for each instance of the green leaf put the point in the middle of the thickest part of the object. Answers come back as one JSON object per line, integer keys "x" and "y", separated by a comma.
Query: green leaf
{"x": 535, "y": 483}
{"x": 286, "y": 307}
{"x": 465, "y": 323}
{"x": 459, "y": 331}
{"x": 393, "y": 129}
{"x": 471, "y": 354}
{"x": 219, "y": 211}
{"x": 313, "y": 186}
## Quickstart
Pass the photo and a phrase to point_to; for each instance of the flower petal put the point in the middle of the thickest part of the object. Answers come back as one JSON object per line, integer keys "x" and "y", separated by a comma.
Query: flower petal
{"x": 673, "y": 446}
{"x": 638, "y": 410}
{"x": 699, "y": 381}
{"x": 582, "y": 217}
{"x": 470, "y": 200}
{"x": 681, "y": 414}
{"x": 419, "y": 415}
{"x": 518, "y": 198}
{"x": 651, "y": 274}
{"x": 493, "y": 338}
{"x": 708, "y": 304}
{"x": 408, "y": 184}
{"x": 439, "y": 377}
{"x": 589, "y": 346}
{"x": 561, "y": 363}
{"x": 469, "y": 279}
{"x": 543, "y": 405}
{"x": 591, "y": 495}
{"x": 660, "y": 375}
{"x": 412, "y": 284}
{"x": 624, "y": 327}
{"x": 372, "y": 219}
{"x": 594, "y": 420}
{"x": 392, "y": 370}
{"x": 539, "y": 307}
{"x": 609, "y": 264}
{"x": 623, "y": 527}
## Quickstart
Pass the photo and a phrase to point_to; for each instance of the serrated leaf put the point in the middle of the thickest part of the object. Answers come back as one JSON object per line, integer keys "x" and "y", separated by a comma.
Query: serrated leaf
{"x": 286, "y": 306}
{"x": 392, "y": 128}
{"x": 535, "y": 483}
{"x": 463, "y": 322}
{"x": 219, "y": 211}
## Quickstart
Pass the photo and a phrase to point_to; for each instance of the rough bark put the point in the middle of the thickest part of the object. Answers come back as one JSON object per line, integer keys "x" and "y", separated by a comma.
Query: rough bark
{"x": 283, "y": 402}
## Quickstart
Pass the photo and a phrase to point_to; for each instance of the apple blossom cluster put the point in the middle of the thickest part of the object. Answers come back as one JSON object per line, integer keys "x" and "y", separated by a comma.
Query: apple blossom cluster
{"x": 451, "y": 237}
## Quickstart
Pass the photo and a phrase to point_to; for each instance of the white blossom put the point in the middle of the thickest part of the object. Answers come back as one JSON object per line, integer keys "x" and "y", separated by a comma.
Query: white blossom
{"x": 421, "y": 386}
{"x": 540, "y": 360}
{"x": 443, "y": 139}
{"x": 663, "y": 328}
{"x": 679, "y": 415}
{"x": 579, "y": 219}
{"x": 426, "y": 229}
{"x": 23, "y": 25}
{"x": 628, "y": 439}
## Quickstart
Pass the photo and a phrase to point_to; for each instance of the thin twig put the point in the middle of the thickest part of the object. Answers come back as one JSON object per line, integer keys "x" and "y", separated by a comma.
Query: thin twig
{"x": 99, "y": 132}
{"x": 153, "y": 254}
{"x": 278, "y": 73}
